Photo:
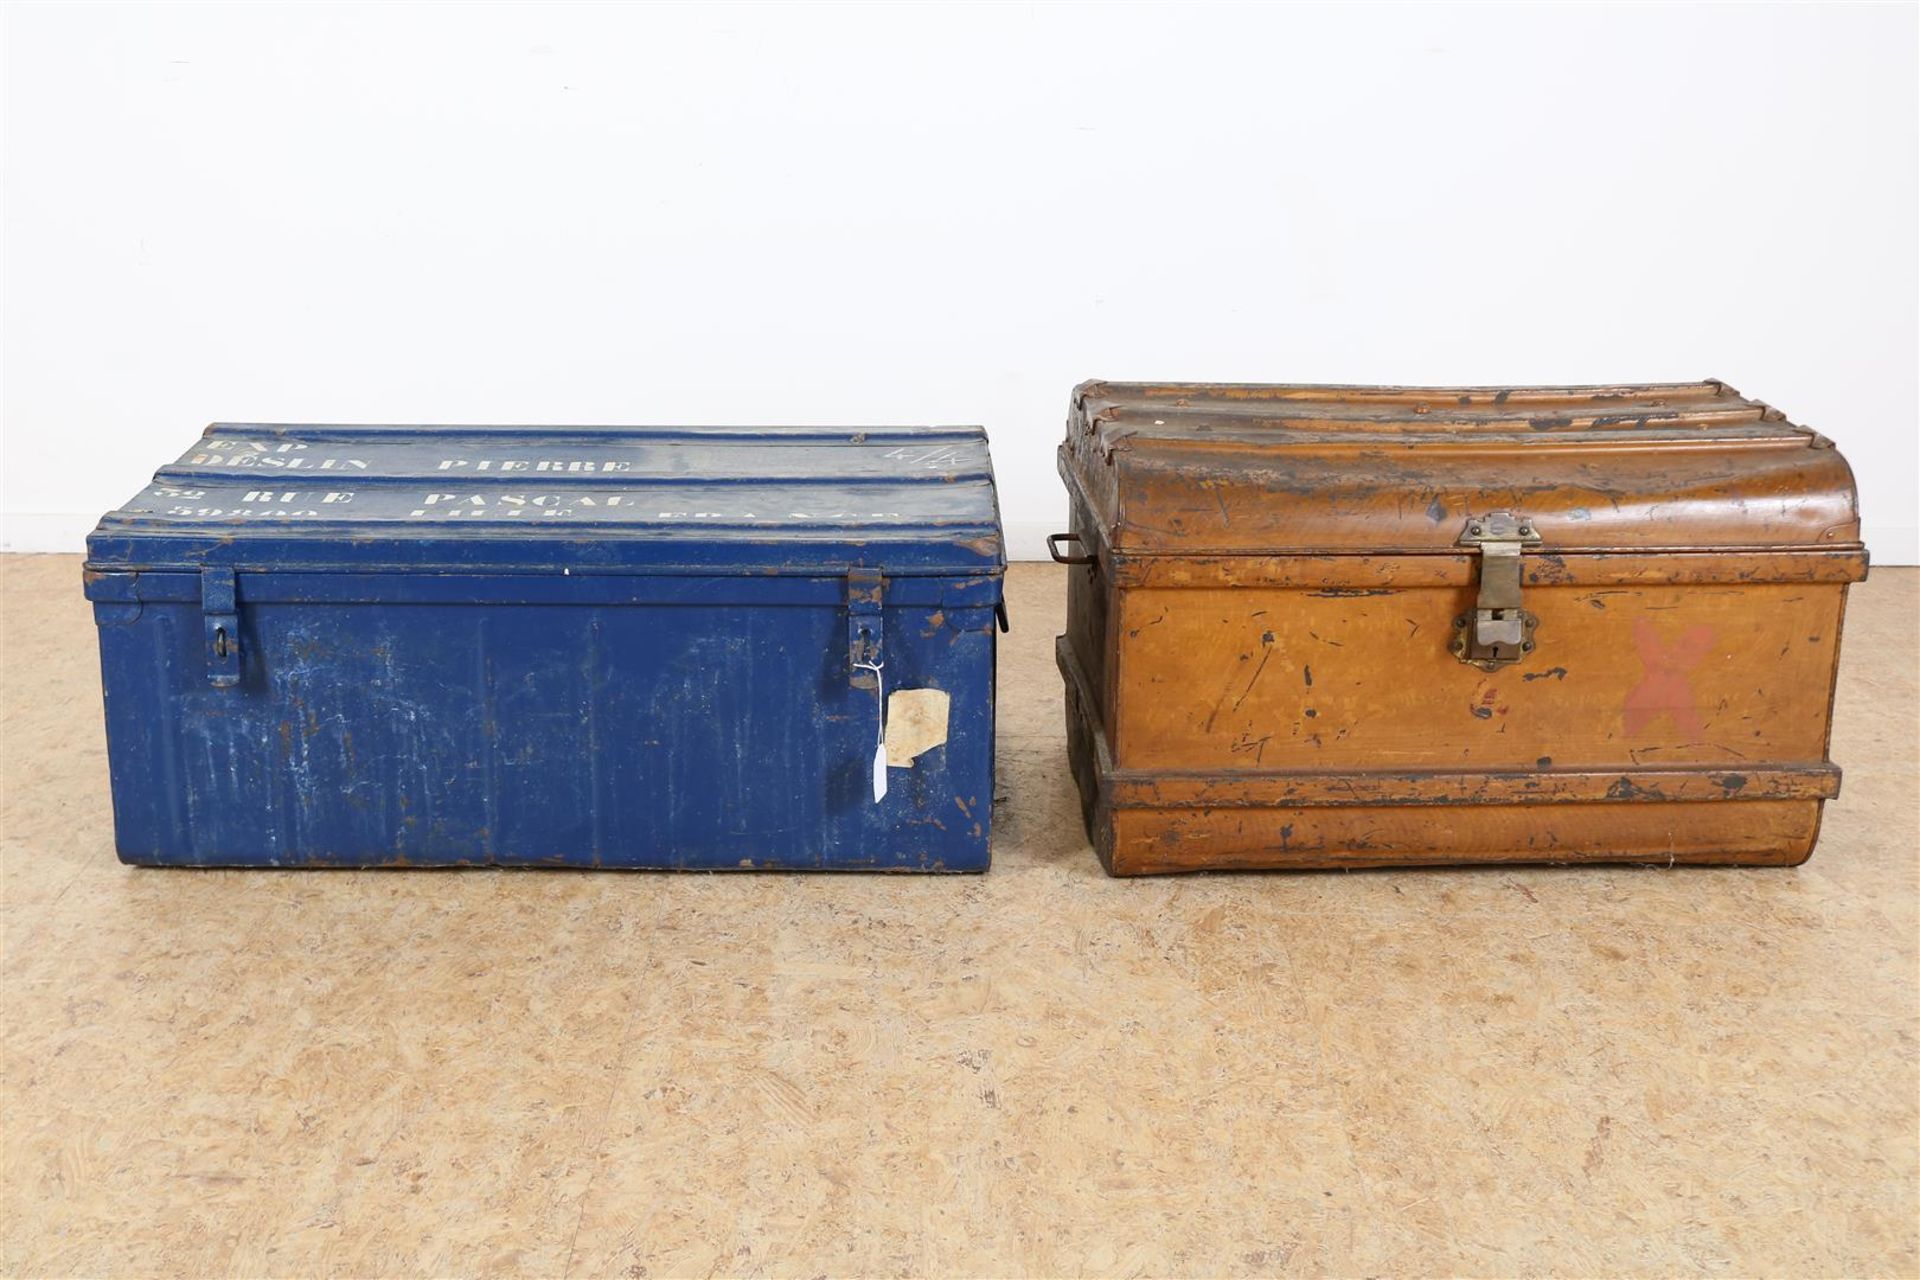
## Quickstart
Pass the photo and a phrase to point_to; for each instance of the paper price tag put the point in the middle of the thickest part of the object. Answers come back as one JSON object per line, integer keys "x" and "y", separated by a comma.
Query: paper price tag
{"x": 879, "y": 728}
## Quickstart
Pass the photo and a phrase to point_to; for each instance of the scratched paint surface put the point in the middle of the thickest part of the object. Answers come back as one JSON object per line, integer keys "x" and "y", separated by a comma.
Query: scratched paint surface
{"x": 761, "y": 500}
{"x": 603, "y": 647}
{"x": 648, "y": 736}
{"x": 1259, "y": 663}
{"x": 1264, "y": 679}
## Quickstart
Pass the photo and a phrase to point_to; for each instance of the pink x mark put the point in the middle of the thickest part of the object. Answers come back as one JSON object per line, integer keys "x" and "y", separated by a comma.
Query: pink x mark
{"x": 1665, "y": 690}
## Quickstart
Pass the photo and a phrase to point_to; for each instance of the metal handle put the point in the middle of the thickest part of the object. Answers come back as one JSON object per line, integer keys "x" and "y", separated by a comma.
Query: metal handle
{"x": 1053, "y": 549}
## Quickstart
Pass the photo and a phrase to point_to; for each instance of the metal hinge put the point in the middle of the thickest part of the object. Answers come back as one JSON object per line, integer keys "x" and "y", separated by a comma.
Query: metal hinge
{"x": 1498, "y": 631}
{"x": 220, "y": 604}
{"x": 865, "y": 629}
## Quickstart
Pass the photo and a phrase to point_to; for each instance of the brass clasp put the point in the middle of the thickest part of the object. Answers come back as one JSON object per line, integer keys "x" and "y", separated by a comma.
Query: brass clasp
{"x": 1498, "y": 631}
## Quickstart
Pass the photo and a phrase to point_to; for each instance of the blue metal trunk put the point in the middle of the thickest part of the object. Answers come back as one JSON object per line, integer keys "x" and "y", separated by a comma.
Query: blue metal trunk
{"x": 592, "y": 647}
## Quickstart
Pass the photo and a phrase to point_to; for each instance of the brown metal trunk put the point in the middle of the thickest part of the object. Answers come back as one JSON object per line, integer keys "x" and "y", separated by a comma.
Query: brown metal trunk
{"x": 1343, "y": 626}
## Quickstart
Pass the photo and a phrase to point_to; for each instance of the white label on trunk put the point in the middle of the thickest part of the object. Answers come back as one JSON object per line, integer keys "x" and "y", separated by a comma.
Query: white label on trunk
{"x": 916, "y": 724}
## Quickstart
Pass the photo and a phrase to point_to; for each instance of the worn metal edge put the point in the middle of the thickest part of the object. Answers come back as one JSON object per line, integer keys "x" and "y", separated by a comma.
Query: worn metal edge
{"x": 1191, "y": 789}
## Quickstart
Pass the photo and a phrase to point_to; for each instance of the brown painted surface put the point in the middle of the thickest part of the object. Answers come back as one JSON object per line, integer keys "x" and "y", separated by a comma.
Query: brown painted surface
{"x": 1234, "y": 679}
{"x": 1259, "y": 659}
{"x": 1769, "y": 832}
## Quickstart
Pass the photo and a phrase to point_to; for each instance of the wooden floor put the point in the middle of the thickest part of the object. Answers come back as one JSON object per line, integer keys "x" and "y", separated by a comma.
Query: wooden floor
{"x": 1037, "y": 1071}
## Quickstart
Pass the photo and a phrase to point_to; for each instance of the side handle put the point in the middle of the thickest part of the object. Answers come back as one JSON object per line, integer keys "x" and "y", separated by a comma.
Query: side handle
{"x": 1053, "y": 549}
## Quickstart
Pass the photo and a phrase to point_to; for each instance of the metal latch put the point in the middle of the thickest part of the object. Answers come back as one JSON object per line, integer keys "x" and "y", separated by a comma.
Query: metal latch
{"x": 865, "y": 628}
{"x": 1498, "y": 631}
{"x": 218, "y": 602}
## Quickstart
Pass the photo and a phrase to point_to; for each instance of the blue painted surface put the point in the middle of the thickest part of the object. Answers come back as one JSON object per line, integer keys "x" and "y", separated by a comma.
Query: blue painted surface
{"x": 632, "y": 647}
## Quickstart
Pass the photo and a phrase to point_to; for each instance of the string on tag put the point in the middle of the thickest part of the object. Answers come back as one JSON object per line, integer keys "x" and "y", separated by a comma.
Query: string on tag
{"x": 879, "y": 728}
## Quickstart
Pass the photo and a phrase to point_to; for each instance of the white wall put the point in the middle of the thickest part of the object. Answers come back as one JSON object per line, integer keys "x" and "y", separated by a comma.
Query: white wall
{"x": 899, "y": 213}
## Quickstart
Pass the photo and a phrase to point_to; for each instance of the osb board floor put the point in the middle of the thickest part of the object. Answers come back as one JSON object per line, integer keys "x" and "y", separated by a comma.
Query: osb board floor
{"x": 1037, "y": 1071}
